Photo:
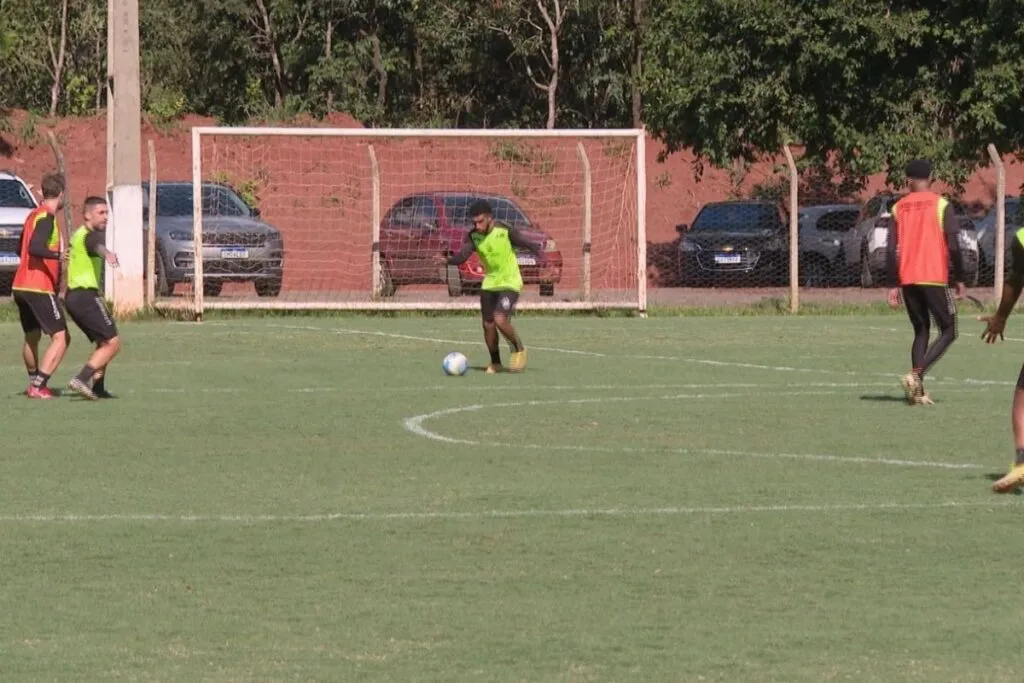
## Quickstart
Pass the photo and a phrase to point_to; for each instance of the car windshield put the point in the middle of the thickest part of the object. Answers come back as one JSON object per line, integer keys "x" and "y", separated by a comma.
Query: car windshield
{"x": 736, "y": 217}
{"x": 456, "y": 207}
{"x": 176, "y": 200}
{"x": 14, "y": 195}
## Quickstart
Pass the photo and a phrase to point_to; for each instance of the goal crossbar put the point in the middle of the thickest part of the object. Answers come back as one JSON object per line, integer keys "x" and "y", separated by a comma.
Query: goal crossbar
{"x": 635, "y": 298}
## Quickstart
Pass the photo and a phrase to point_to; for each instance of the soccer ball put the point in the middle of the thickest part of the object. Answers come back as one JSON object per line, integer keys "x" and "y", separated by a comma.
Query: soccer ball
{"x": 455, "y": 364}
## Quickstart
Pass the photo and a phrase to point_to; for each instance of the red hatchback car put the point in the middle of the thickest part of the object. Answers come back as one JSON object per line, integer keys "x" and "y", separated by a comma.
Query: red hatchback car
{"x": 420, "y": 226}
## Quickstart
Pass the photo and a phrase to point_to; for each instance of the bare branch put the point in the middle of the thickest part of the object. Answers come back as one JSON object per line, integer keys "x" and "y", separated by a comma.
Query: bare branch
{"x": 529, "y": 72}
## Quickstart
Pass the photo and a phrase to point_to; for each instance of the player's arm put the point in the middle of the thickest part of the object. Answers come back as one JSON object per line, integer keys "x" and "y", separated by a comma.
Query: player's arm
{"x": 951, "y": 226}
{"x": 39, "y": 245}
{"x": 463, "y": 254}
{"x": 518, "y": 239}
{"x": 1012, "y": 287}
{"x": 96, "y": 245}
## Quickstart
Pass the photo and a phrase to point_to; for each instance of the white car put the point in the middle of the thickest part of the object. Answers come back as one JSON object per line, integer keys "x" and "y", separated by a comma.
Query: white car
{"x": 16, "y": 203}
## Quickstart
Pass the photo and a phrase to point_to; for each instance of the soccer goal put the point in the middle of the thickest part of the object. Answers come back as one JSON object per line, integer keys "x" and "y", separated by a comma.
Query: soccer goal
{"x": 331, "y": 218}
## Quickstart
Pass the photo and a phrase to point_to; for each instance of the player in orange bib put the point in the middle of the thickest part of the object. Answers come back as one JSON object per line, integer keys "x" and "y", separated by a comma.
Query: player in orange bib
{"x": 924, "y": 237}
{"x": 42, "y": 254}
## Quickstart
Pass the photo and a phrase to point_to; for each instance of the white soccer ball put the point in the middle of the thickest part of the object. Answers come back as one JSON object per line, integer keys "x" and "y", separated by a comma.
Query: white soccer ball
{"x": 455, "y": 364}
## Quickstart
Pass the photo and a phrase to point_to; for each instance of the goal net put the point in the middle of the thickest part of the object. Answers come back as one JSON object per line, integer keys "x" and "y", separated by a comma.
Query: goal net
{"x": 322, "y": 218}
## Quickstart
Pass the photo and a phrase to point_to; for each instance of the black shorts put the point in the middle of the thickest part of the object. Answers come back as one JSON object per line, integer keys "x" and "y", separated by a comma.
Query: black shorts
{"x": 39, "y": 311}
{"x": 925, "y": 302}
{"x": 89, "y": 311}
{"x": 501, "y": 301}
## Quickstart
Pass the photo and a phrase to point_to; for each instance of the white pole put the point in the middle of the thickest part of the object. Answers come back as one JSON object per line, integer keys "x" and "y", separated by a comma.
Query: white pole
{"x": 588, "y": 218}
{"x": 999, "y": 251}
{"x": 399, "y": 133}
{"x": 641, "y": 221}
{"x": 375, "y": 223}
{"x": 151, "y": 233}
{"x": 197, "y": 223}
{"x": 794, "y": 231}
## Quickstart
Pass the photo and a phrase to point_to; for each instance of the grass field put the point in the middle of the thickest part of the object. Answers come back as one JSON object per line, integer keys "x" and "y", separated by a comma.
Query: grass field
{"x": 670, "y": 499}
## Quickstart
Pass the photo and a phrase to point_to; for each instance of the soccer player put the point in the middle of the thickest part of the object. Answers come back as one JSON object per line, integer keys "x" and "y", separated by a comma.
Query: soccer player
{"x": 43, "y": 254}
{"x": 994, "y": 330}
{"x": 85, "y": 303}
{"x": 493, "y": 242}
{"x": 925, "y": 234}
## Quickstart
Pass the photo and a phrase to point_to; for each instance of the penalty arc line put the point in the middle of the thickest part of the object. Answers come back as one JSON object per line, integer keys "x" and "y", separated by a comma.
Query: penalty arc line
{"x": 667, "y": 511}
{"x": 415, "y": 425}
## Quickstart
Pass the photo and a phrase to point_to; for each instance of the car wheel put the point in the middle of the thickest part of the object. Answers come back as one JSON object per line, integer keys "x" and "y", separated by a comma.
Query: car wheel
{"x": 162, "y": 287}
{"x": 547, "y": 289}
{"x": 387, "y": 283}
{"x": 816, "y": 273}
{"x": 866, "y": 279}
{"x": 212, "y": 288}
{"x": 268, "y": 288}
{"x": 454, "y": 279}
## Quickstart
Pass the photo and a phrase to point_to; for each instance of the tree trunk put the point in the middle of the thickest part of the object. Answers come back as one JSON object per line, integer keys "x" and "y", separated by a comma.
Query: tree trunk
{"x": 382, "y": 74}
{"x": 328, "y": 53}
{"x": 637, "y": 67}
{"x": 271, "y": 38}
{"x": 57, "y": 58}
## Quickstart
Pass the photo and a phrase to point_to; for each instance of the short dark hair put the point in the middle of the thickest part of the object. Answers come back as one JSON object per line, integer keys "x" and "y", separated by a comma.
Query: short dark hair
{"x": 481, "y": 207}
{"x": 92, "y": 201}
{"x": 919, "y": 169}
{"x": 52, "y": 185}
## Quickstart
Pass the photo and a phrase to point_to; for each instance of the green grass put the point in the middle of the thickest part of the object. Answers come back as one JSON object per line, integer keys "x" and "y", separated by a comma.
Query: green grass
{"x": 691, "y": 499}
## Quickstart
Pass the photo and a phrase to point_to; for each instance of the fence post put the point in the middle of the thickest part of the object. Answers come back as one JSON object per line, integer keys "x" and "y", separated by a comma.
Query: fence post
{"x": 999, "y": 250}
{"x": 794, "y": 231}
{"x": 588, "y": 213}
{"x": 151, "y": 234}
{"x": 376, "y": 272}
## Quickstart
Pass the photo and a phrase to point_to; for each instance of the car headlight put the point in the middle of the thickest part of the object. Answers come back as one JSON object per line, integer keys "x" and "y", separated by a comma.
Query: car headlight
{"x": 180, "y": 236}
{"x": 549, "y": 245}
{"x": 689, "y": 245}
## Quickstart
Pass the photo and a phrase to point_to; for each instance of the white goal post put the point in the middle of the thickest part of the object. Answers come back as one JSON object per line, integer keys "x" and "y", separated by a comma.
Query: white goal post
{"x": 354, "y": 219}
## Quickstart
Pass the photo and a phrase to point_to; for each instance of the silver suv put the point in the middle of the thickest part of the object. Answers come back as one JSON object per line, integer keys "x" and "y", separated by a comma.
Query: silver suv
{"x": 16, "y": 203}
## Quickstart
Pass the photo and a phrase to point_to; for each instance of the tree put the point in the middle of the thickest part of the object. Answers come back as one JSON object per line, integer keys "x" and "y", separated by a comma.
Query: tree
{"x": 534, "y": 28}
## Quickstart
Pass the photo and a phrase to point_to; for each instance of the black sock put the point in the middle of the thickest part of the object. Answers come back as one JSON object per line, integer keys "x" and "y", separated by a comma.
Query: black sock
{"x": 40, "y": 379}
{"x": 1020, "y": 457}
{"x": 496, "y": 356}
{"x": 98, "y": 385}
{"x": 85, "y": 376}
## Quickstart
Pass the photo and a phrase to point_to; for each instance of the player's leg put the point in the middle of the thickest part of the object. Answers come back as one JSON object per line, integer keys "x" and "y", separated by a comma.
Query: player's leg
{"x": 943, "y": 309}
{"x": 90, "y": 313}
{"x": 1015, "y": 477}
{"x": 48, "y": 313}
{"x": 916, "y": 303}
{"x": 488, "y": 302}
{"x": 33, "y": 333}
{"x": 503, "y": 321}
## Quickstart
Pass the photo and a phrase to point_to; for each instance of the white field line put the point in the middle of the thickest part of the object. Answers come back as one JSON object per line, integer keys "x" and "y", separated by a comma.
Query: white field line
{"x": 668, "y": 511}
{"x": 454, "y": 386}
{"x": 415, "y": 425}
{"x": 594, "y": 354}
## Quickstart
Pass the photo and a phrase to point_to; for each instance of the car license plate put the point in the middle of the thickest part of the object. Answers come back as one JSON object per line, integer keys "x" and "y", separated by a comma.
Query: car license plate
{"x": 728, "y": 258}
{"x": 234, "y": 253}
{"x": 9, "y": 260}
{"x": 526, "y": 260}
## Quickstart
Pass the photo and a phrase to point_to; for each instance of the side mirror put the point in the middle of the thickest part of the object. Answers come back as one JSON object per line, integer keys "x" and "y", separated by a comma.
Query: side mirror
{"x": 682, "y": 227}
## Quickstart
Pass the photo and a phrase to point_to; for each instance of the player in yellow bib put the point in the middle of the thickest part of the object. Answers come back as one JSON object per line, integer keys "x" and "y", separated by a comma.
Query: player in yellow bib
{"x": 85, "y": 304}
{"x": 494, "y": 243}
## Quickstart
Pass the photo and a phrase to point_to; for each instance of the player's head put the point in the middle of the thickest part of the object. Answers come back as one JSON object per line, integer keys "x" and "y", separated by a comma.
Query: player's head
{"x": 53, "y": 189}
{"x": 919, "y": 173}
{"x": 482, "y": 215}
{"x": 96, "y": 213}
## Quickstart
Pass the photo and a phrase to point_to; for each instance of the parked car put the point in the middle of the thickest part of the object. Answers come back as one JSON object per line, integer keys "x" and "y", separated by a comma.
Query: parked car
{"x": 16, "y": 203}
{"x": 1014, "y": 217}
{"x": 746, "y": 242}
{"x": 865, "y": 247}
{"x": 821, "y": 240}
{"x": 237, "y": 245}
{"x": 420, "y": 226}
